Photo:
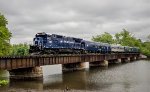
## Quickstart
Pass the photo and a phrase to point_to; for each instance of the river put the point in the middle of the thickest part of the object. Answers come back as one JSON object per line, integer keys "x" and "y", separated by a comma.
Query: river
{"x": 126, "y": 77}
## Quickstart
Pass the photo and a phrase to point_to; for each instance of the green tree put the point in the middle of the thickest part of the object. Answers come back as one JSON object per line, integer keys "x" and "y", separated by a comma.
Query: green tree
{"x": 146, "y": 48}
{"x": 5, "y": 36}
{"x": 20, "y": 50}
{"x": 125, "y": 38}
{"x": 106, "y": 38}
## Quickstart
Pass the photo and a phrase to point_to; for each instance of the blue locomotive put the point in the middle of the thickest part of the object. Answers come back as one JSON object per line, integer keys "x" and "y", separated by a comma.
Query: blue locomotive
{"x": 57, "y": 44}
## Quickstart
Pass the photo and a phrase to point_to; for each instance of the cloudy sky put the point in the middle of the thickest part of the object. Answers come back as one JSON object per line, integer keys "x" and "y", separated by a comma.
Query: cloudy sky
{"x": 78, "y": 18}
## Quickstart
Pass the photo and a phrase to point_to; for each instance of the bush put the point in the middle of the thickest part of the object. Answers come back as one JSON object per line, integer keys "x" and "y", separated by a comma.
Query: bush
{"x": 3, "y": 82}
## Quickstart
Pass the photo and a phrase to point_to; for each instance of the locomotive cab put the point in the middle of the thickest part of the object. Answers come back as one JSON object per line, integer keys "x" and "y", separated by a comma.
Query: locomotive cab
{"x": 40, "y": 39}
{"x": 38, "y": 42}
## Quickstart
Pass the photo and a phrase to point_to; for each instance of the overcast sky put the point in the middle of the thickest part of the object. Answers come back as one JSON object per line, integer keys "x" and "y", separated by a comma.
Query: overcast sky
{"x": 77, "y": 18}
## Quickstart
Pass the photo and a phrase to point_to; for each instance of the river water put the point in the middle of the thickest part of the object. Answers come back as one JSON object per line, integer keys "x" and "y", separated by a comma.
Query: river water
{"x": 126, "y": 77}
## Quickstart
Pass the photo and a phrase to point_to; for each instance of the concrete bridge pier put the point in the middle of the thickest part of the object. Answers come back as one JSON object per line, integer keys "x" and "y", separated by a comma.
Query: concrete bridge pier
{"x": 126, "y": 60}
{"x": 84, "y": 65}
{"x": 118, "y": 61}
{"x": 75, "y": 66}
{"x": 27, "y": 73}
{"x": 104, "y": 63}
{"x": 99, "y": 63}
{"x": 133, "y": 58}
{"x": 138, "y": 58}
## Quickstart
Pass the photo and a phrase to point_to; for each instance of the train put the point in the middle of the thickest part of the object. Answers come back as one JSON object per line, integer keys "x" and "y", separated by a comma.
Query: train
{"x": 44, "y": 43}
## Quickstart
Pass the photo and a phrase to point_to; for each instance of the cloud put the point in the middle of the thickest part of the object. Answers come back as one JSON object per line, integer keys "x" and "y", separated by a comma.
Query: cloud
{"x": 77, "y": 18}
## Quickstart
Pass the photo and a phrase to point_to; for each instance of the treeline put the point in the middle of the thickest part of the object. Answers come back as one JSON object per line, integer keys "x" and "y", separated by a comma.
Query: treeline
{"x": 125, "y": 38}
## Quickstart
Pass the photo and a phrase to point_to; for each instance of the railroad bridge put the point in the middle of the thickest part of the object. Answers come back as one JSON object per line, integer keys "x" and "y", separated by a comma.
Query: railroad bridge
{"x": 25, "y": 67}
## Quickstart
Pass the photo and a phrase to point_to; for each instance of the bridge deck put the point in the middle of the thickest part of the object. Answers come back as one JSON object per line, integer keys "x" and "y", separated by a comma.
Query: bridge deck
{"x": 10, "y": 63}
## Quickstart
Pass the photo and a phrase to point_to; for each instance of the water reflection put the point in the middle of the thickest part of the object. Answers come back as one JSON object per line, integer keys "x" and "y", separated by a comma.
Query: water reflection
{"x": 26, "y": 84}
{"x": 72, "y": 80}
{"x": 128, "y": 77}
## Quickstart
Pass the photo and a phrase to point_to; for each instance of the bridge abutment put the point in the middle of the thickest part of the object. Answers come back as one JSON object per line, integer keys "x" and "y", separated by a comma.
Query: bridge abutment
{"x": 27, "y": 73}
